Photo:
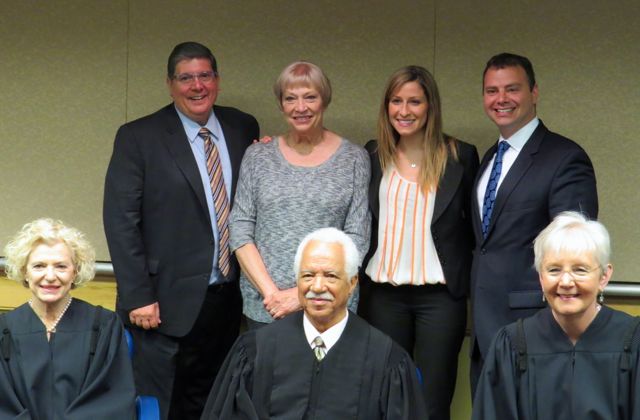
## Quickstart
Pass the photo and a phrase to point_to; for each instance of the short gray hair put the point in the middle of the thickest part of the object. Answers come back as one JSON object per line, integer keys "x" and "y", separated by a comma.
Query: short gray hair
{"x": 331, "y": 235}
{"x": 573, "y": 232}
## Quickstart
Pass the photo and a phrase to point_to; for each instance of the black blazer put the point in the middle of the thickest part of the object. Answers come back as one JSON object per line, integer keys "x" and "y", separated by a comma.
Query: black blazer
{"x": 551, "y": 174}
{"x": 451, "y": 223}
{"x": 156, "y": 217}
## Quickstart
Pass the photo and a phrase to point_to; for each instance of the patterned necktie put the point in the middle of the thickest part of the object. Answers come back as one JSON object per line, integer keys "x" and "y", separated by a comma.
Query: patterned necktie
{"x": 492, "y": 186}
{"x": 319, "y": 350}
{"x": 220, "y": 200}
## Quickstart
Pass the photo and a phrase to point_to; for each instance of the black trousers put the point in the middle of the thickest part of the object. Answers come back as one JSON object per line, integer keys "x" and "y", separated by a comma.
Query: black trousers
{"x": 180, "y": 371}
{"x": 430, "y": 324}
{"x": 475, "y": 369}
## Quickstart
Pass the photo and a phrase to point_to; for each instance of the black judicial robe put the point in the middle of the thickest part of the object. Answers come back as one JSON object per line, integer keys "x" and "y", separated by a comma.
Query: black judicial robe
{"x": 58, "y": 379}
{"x": 272, "y": 373}
{"x": 595, "y": 379}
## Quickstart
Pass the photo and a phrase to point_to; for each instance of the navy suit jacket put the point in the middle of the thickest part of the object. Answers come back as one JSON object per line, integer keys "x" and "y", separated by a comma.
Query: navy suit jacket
{"x": 550, "y": 175}
{"x": 156, "y": 217}
{"x": 451, "y": 222}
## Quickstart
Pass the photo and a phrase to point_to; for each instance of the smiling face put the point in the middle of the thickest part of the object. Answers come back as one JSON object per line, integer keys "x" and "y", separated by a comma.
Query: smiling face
{"x": 571, "y": 283}
{"x": 508, "y": 100}
{"x": 50, "y": 273}
{"x": 408, "y": 109}
{"x": 195, "y": 98}
{"x": 323, "y": 285}
{"x": 302, "y": 108}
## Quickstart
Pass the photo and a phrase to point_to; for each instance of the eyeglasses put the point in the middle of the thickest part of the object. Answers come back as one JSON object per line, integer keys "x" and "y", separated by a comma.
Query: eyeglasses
{"x": 188, "y": 78}
{"x": 576, "y": 273}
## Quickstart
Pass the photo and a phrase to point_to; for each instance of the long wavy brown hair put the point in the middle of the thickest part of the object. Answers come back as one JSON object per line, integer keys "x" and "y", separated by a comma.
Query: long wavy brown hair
{"x": 437, "y": 144}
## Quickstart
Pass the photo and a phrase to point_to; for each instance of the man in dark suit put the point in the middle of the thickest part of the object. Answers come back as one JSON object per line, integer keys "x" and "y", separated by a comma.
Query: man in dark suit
{"x": 168, "y": 192}
{"x": 524, "y": 180}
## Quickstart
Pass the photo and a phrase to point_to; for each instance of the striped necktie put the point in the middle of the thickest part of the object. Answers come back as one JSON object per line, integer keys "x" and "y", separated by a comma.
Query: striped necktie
{"x": 320, "y": 350}
{"x": 220, "y": 200}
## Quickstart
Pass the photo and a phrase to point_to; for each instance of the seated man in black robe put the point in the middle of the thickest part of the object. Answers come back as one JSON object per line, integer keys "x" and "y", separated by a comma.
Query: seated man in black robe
{"x": 323, "y": 363}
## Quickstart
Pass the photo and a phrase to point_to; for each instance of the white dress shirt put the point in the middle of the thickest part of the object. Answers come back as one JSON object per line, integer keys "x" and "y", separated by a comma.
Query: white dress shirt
{"x": 329, "y": 337}
{"x": 516, "y": 143}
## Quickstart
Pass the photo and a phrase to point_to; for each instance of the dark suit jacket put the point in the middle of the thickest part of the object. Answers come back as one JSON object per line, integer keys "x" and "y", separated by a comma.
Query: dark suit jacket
{"x": 451, "y": 223}
{"x": 551, "y": 174}
{"x": 156, "y": 217}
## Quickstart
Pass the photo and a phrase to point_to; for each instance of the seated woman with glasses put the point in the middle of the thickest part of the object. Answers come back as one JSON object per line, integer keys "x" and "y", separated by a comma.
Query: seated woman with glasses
{"x": 576, "y": 359}
{"x": 60, "y": 357}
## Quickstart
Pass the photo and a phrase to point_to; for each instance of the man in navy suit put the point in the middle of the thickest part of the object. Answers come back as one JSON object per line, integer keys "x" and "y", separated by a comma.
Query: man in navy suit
{"x": 166, "y": 200}
{"x": 519, "y": 188}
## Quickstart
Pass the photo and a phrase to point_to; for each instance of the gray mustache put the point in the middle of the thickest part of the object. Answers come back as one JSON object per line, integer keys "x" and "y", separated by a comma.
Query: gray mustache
{"x": 323, "y": 295}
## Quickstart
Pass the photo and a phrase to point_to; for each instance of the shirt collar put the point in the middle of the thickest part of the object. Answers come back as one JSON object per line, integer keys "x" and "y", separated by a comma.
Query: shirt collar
{"x": 192, "y": 128}
{"x": 520, "y": 137}
{"x": 330, "y": 336}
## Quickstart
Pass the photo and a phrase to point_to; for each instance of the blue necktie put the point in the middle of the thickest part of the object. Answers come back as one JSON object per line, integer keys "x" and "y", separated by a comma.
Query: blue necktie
{"x": 492, "y": 187}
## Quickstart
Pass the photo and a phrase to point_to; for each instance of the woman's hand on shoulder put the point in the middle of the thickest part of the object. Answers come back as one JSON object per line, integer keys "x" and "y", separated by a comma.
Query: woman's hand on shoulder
{"x": 263, "y": 139}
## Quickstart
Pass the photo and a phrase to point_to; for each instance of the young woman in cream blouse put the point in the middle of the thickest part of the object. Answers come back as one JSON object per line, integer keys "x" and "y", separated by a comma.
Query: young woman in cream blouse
{"x": 416, "y": 274}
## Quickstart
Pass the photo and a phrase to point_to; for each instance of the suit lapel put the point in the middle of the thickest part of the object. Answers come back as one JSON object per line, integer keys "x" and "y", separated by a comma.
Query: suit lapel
{"x": 447, "y": 187}
{"x": 376, "y": 178}
{"x": 234, "y": 146}
{"x": 178, "y": 145}
{"x": 475, "y": 211}
{"x": 517, "y": 172}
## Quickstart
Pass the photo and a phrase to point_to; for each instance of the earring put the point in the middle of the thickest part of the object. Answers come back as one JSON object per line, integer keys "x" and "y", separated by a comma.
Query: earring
{"x": 544, "y": 299}
{"x": 601, "y": 297}
{"x": 25, "y": 283}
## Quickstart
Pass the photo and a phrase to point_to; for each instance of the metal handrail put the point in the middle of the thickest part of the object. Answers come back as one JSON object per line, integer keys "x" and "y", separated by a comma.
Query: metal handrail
{"x": 617, "y": 289}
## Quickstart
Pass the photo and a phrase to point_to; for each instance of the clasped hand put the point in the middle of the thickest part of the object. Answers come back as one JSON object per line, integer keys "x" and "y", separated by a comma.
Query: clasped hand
{"x": 282, "y": 302}
{"x": 146, "y": 317}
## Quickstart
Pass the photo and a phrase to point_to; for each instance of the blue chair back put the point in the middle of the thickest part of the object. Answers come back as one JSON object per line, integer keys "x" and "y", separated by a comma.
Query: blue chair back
{"x": 147, "y": 408}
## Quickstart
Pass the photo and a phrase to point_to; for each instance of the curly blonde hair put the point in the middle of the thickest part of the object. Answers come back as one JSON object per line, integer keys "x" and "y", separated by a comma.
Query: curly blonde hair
{"x": 49, "y": 231}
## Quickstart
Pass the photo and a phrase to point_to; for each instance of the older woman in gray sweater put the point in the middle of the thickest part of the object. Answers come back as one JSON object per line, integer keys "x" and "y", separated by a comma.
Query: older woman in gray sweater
{"x": 308, "y": 178}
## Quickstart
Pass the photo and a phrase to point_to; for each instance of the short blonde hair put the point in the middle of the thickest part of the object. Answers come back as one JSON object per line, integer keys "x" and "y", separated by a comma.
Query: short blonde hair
{"x": 571, "y": 231}
{"x": 303, "y": 73}
{"x": 49, "y": 231}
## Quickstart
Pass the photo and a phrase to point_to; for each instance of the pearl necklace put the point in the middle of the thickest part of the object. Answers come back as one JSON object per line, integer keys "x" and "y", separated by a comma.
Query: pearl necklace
{"x": 52, "y": 329}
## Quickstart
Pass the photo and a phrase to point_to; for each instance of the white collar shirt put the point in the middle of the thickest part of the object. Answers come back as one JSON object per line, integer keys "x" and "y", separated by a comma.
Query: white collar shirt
{"x": 516, "y": 143}
{"x": 329, "y": 337}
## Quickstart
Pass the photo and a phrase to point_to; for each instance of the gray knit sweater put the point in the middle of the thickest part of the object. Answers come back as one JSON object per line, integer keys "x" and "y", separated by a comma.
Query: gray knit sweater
{"x": 277, "y": 204}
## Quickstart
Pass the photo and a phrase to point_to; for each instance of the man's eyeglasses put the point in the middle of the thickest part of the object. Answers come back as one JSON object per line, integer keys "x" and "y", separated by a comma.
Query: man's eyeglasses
{"x": 188, "y": 78}
{"x": 576, "y": 273}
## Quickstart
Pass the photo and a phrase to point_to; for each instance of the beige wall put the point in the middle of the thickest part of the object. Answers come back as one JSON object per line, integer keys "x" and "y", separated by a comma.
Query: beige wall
{"x": 72, "y": 71}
